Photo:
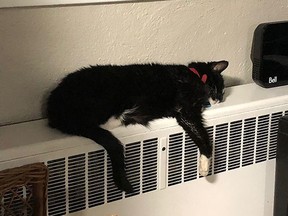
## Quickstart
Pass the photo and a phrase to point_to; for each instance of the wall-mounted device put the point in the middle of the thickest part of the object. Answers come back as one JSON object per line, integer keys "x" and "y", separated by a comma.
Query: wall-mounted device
{"x": 270, "y": 54}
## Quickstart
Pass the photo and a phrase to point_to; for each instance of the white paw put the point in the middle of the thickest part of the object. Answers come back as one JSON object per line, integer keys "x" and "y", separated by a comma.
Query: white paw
{"x": 213, "y": 102}
{"x": 204, "y": 164}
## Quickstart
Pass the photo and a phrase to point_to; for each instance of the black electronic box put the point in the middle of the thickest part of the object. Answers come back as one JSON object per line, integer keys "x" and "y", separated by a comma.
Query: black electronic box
{"x": 270, "y": 54}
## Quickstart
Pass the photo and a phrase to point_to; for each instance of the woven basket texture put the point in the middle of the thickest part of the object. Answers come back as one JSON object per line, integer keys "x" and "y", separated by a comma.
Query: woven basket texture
{"x": 23, "y": 190}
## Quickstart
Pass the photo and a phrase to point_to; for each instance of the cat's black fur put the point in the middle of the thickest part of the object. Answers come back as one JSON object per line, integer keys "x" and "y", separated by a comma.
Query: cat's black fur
{"x": 135, "y": 94}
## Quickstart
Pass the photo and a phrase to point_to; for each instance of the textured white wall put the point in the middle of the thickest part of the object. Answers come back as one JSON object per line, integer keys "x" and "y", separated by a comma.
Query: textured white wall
{"x": 38, "y": 46}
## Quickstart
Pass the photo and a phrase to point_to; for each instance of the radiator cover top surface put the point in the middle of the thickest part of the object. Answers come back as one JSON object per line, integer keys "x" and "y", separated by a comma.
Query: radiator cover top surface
{"x": 35, "y": 137}
{"x": 161, "y": 161}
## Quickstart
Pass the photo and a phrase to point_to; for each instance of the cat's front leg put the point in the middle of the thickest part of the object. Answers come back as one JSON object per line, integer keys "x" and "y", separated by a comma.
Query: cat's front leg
{"x": 193, "y": 126}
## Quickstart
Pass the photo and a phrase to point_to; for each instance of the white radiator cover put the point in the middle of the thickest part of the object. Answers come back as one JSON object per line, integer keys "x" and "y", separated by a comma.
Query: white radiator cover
{"x": 241, "y": 182}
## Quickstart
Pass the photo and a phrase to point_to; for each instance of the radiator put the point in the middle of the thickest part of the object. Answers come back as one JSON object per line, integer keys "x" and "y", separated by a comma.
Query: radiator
{"x": 162, "y": 162}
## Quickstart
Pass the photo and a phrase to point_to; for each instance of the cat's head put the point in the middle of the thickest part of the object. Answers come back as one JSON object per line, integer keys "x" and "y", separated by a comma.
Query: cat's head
{"x": 210, "y": 74}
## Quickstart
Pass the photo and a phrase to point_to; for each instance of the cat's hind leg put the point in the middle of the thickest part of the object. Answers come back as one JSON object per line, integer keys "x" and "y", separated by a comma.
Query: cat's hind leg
{"x": 115, "y": 151}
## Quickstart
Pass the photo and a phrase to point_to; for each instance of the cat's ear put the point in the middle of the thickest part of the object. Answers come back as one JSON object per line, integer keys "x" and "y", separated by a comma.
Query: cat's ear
{"x": 219, "y": 66}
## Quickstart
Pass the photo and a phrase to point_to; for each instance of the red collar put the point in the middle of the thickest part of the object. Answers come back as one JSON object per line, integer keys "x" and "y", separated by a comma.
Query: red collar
{"x": 203, "y": 78}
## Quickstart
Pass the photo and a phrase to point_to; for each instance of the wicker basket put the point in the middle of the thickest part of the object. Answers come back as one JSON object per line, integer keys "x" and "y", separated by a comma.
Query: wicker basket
{"x": 23, "y": 190}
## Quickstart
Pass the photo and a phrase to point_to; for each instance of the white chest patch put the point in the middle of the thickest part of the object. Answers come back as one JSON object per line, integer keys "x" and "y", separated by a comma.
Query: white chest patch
{"x": 127, "y": 112}
{"x": 111, "y": 124}
{"x": 117, "y": 122}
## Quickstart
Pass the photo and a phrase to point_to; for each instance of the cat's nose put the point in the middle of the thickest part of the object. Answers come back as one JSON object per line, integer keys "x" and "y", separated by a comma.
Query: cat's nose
{"x": 213, "y": 101}
{"x": 220, "y": 98}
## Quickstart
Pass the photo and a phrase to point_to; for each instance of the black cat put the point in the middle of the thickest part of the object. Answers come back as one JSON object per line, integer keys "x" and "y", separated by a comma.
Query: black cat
{"x": 136, "y": 94}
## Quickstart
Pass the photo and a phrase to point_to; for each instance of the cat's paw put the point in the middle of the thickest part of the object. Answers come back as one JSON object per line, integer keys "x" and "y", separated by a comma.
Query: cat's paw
{"x": 213, "y": 102}
{"x": 204, "y": 164}
{"x": 122, "y": 183}
{"x": 127, "y": 187}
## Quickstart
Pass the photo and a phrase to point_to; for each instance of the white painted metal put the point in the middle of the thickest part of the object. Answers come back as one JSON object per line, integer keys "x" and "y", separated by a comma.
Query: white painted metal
{"x": 244, "y": 190}
{"x": 248, "y": 192}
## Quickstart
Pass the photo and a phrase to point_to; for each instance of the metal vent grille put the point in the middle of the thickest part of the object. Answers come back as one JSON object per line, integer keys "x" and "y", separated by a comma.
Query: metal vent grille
{"x": 149, "y": 166}
{"x": 273, "y": 134}
{"x": 76, "y": 183}
{"x": 248, "y": 141}
{"x": 56, "y": 187}
{"x": 96, "y": 178}
{"x": 262, "y": 138}
{"x": 234, "y": 145}
{"x": 175, "y": 159}
{"x": 85, "y": 180}
{"x": 220, "y": 157}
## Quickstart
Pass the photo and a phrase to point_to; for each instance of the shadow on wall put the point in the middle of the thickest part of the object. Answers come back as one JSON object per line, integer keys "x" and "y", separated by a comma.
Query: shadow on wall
{"x": 232, "y": 81}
